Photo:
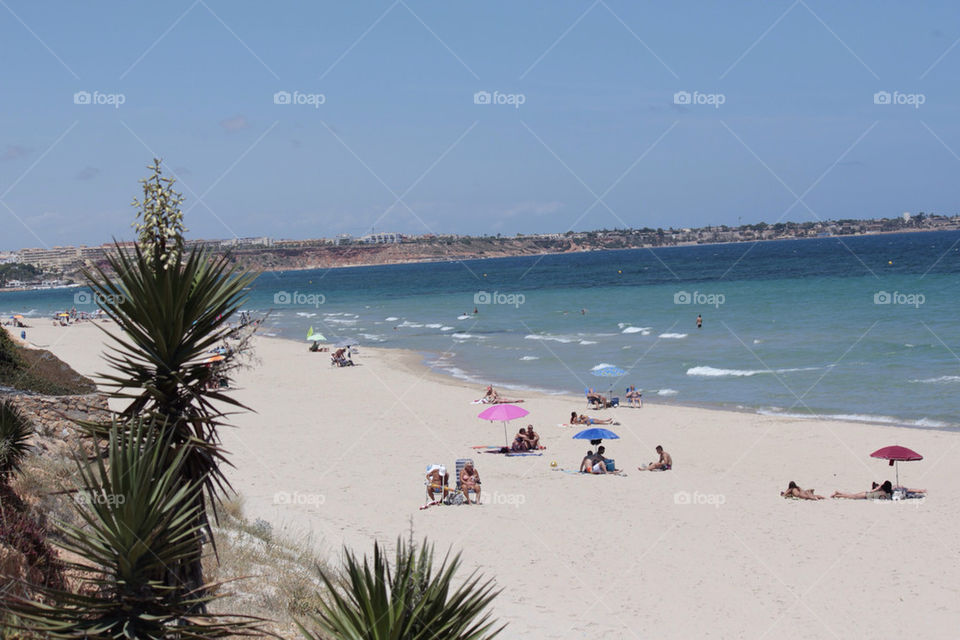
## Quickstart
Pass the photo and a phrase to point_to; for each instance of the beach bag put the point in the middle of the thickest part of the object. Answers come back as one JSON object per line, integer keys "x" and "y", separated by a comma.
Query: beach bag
{"x": 454, "y": 498}
{"x": 611, "y": 465}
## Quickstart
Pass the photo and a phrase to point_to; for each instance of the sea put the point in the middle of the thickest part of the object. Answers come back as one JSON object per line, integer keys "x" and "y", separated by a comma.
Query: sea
{"x": 849, "y": 328}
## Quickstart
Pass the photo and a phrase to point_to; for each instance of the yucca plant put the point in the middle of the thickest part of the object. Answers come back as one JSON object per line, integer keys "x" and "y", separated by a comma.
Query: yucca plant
{"x": 138, "y": 519}
{"x": 15, "y": 430}
{"x": 410, "y": 601}
{"x": 171, "y": 308}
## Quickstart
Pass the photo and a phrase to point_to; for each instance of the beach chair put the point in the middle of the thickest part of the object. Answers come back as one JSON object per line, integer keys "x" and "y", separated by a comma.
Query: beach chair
{"x": 461, "y": 463}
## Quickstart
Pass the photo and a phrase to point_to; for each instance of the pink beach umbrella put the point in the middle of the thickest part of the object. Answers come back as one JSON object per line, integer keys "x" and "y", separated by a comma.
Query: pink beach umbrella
{"x": 503, "y": 412}
{"x": 896, "y": 454}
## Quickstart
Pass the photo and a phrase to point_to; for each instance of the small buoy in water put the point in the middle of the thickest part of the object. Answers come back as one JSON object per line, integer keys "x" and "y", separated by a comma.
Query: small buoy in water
{"x": 619, "y": 271}
{"x": 889, "y": 261}
{"x": 553, "y": 464}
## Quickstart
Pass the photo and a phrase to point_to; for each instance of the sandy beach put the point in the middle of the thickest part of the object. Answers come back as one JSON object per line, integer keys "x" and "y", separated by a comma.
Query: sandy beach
{"x": 707, "y": 550}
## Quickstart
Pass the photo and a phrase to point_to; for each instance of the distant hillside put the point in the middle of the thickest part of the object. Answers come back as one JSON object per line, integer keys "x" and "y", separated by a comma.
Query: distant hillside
{"x": 38, "y": 371}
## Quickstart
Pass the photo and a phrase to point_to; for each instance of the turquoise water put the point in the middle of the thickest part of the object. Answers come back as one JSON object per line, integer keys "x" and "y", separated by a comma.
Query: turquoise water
{"x": 788, "y": 326}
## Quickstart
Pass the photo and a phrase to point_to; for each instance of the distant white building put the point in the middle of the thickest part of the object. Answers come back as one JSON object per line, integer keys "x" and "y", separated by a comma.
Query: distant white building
{"x": 247, "y": 242}
{"x": 381, "y": 238}
{"x": 343, "y": 238}
{"x": 906, "y": 216}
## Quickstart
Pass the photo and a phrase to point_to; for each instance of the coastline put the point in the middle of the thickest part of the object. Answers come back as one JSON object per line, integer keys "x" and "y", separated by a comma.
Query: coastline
{"x": 338, "y": 455}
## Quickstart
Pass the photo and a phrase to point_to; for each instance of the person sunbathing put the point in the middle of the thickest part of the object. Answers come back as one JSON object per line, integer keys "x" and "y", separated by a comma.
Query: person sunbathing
{"x": 793, "y": 491}
{"x": 437, "y": 480}
{"x": 877, "y": 492}
{"x": 590, "y": 421}
{"x": 533, "y": 438}
{"x": 595, "y": 399}
{"x": 590, "y": 464}
{"x": 520, "y": 442}
{"x": 491, "y": 396}
{"x": 470, "y": 481}
{"x": 665, "y": 463}
{"x": 634, "y": 397}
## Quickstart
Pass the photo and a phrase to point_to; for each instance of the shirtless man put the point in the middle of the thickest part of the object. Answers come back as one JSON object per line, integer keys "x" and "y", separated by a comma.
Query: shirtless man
{"x": 437, "y": 480}
{"x": 664, "y": 464}
{"x": 590, "y": 464}
{"x": 470, "y": 480}
{"x": 533, "y": 438}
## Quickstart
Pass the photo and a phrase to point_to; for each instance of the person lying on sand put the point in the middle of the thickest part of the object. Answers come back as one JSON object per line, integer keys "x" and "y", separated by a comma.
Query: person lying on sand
{"x": 437, "y": 480}
{"x": 490, "y": 396}
{"x": 664, "y": 464}
{"x": 793, "y": 491}
{"x": 470, "y": 480}
{"x": 878, "y": 492}
{"x": 582, "y": 419}
{"x": 590, "y": 464}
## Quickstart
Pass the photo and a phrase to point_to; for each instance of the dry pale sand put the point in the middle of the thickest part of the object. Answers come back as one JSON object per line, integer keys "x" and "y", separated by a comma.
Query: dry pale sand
{"x": 708, "y": 550}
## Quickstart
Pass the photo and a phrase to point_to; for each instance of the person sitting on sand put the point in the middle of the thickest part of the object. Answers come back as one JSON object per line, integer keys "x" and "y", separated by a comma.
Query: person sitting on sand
{"x": 878, "y": 492}
{"x": 533, "y": 438}
{"x": 602, "y": 458}
{"x": 520, "y": 442}
{"x": 470, "y": 481}
{"x": 590, "y": 464}
{"x": 793, "y": 491}
{"x": 665, "y": 463}
{"x": 437, "y": 480}
{"x": 633, "y": 397}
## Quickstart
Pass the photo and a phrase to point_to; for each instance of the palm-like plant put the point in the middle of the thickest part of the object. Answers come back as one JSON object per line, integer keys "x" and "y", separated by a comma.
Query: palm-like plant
{"x": 139, "y": 518}
{"x": 410, "y": 601}
{"x": 15, "y": 430}
{"x": 171, "y": 309}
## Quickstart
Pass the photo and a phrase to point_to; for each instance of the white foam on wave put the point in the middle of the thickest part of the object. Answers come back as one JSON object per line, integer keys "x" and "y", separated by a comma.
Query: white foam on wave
{"x": 350, "y": 321}
{"x": 373, "y": 337}
{"x": 446, "y": 328}
{"x": 304, "y": 314}
{"x": 938, "y": 380}
{"x": 673, "y": 336}
{"x": 550, "y": 338}
{"x": 858, "y": 417}
{"x": 529, "y": 358}
{"x": 630, "y": 329}
{"x": 602, "y": 365}
{"x": 463, "y": 317}
{"x": 433, "y": 325}
{"x": 412, "y": 325}
{"x": 588, "y": 342}
{"x": 391, "y": 319}
{"x": 667, "y": 392}
{"x": 466, "y": 336}
{"x": 713, "y": 372}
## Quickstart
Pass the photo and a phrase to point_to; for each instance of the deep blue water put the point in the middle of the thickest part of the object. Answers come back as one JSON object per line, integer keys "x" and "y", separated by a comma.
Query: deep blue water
{"x": 788, "y": 326}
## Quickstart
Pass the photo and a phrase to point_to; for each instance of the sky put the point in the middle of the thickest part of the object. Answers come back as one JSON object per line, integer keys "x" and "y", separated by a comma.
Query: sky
{"x": 312, "y": 119}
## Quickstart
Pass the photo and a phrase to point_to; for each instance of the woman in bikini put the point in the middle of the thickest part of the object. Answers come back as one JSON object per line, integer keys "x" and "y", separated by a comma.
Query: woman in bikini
{"x": 793, "y": 491}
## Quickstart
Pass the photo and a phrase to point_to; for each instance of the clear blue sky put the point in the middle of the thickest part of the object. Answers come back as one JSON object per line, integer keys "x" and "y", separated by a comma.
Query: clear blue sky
{"x": 399, "y": 122}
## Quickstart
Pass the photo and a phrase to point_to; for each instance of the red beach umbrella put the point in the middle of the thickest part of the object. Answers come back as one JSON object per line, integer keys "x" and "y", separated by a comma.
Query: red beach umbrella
{"x": 895, "y": 454}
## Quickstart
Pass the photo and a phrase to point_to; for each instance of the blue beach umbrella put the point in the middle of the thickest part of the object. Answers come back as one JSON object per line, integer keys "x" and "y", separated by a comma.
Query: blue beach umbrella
{"x": 608, "y": 372}
{"x": 596, "y": 433}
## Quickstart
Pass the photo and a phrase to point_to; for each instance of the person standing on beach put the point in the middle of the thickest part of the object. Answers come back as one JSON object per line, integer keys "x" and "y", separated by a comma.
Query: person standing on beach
{"x": 699, "y": 321}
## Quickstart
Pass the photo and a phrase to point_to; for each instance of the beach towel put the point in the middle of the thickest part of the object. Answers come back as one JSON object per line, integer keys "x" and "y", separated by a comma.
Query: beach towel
{"x": 513, "y": 454}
